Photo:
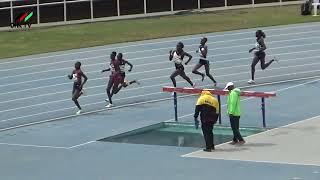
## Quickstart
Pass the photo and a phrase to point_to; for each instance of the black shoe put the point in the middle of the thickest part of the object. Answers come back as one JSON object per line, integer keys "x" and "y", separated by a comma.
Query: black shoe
{"x": 207, "y": 150}
{"x": 233, "y": 142}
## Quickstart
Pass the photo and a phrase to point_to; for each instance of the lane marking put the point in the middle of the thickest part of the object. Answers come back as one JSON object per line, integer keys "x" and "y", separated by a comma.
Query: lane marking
{"x": 129, "y": 105}
{"x": 142, "y": 72}
{"x": 147, "y": 57}
{"x": 143, "y": 43}
{"x": 85, "y": 97}
{"x": 144, "y": 79}
{"x": 31, "y": 145}
{"x": 86, "y": 143}
{"x": 137, "y": 59}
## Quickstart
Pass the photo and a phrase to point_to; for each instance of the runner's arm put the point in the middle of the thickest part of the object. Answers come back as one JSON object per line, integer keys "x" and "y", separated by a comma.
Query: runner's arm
{"x": 70, "y": 75}
{"x": 190, "y": 57}
{"x": 105, "y": 70}
{"x": 170, "y": 55}
{"x": 131, "y": 66}
{"x": 250, "y": 50}
{"x": 85, "y": 79}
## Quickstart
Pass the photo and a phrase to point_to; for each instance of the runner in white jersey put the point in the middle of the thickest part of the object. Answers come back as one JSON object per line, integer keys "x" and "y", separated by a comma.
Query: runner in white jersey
{"x": 203, "y": 61}
{"x": 177, "y": 57}
{"x": 259, "y": 55}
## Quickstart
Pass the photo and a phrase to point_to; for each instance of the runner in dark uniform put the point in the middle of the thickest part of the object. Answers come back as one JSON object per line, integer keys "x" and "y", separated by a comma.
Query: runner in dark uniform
{"x": 259, "y": 54}
{"x": 177, "y": 57}
{"x": 203, "y": 51}
{"x": 77, "y": 75}
{"x": 115, "y": 70}
{"x": 122, "y": 66}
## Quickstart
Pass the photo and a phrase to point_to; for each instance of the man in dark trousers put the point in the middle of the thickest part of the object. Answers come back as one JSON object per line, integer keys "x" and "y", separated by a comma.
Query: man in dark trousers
{"x": 234, "y": 112}
{"x": 208, "y": 107}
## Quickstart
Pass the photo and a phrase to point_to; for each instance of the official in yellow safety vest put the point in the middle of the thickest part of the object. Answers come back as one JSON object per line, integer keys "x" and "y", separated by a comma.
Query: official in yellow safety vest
{"x": 208, "y": 108}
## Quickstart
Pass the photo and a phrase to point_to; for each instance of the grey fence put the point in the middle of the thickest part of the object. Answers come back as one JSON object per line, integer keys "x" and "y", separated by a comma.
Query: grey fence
{"x": 64, "y": 11}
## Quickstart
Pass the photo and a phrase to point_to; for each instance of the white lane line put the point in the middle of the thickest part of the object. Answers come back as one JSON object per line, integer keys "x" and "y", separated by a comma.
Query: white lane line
{"x": 128, "y": 105}
{"x": 4, "y": 85}
{"x": 245, "y": 99}
{"x": 144, "y": 79}
{"x": 231, "y": 60}
{"x": 162, "y": 55}
{"x": 86, "y": 143}
{"x": 143, "y": 43}
{"x": 64, "y": 100}
{"x": 131, "y": 97}
{"x": 36, "y": 146}
{"x": 90, "y": 112}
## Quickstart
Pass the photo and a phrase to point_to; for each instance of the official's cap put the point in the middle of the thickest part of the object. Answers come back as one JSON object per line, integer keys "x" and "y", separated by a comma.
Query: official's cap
{"x": 229, "y": 84}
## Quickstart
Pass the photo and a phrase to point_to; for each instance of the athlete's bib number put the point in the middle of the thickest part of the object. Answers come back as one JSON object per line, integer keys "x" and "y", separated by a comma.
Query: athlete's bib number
{"x": 75, "y": 77}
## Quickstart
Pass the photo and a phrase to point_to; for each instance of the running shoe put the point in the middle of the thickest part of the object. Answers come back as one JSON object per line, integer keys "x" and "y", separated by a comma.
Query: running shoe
{"x": 233, "y": 142}
{"x": 241, "y": 142}
{"x": 215, "y": 84}
{"x": 78, "y": 112}
{"x": 109, "y": 105}
{"x": 251, "y": 81}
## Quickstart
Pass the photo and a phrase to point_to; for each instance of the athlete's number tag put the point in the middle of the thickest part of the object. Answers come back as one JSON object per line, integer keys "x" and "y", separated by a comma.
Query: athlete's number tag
{"x": 176, "y": 58}
{"x": 257, "y": 45}
{"x": 75, "y": 77}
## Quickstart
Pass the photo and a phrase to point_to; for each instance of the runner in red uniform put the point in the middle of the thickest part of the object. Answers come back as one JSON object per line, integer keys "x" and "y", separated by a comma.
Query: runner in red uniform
{"x": 122, "y": 66}
{"x": 115, "y": 70}
{"x": 77, "y": 76}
